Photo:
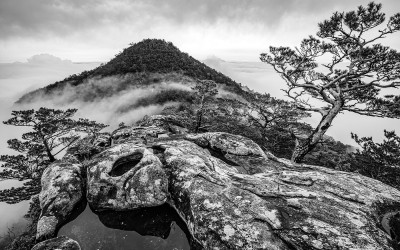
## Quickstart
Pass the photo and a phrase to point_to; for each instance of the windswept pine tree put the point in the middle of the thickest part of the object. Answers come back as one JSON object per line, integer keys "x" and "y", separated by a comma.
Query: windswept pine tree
{"x": 359, "y": 68}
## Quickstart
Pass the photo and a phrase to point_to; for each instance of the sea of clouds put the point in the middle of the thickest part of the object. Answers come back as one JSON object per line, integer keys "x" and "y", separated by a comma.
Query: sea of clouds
{"x": 19, "y": 78}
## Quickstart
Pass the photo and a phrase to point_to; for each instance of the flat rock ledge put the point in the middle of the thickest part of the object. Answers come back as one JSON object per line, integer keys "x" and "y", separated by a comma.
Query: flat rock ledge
{"x": 232, "y": 195}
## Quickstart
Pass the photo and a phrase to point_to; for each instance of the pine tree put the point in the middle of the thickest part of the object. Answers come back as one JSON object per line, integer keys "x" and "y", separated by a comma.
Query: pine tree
{"x": 52, "y": 131}
{"x": 358, "y": 69}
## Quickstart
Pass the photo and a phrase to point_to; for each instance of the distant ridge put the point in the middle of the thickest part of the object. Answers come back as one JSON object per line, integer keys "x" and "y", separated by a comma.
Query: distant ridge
{"x": 148, "y": 56}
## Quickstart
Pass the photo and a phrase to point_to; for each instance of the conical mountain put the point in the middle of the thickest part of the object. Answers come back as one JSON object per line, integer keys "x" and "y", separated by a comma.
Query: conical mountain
{"x": 148, "y": 61}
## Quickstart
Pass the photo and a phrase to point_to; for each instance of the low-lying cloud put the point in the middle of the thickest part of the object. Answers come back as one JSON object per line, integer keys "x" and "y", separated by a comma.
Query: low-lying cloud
{"x": 101, "y": 99}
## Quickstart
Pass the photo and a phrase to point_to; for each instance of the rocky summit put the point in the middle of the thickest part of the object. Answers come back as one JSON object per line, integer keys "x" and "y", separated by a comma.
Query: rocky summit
{"x": 229, "y": 192}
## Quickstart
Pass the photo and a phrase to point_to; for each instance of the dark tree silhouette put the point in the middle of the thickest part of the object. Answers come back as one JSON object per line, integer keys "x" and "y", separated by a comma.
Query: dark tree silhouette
{"x": 386, "y": 153}
{"x": 379, "y": 161}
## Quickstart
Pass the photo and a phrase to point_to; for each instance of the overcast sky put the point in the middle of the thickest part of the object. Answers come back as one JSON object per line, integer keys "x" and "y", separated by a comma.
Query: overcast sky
{"x": 96, "y": 30}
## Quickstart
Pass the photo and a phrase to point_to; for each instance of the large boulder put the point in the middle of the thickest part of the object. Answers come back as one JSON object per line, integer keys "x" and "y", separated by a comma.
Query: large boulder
{"x": 59, "y": 243}
{"x": 125, "y": 177}
{"x": 230, "y": 194}
{"x": 282, "y": 206}
{"x": 61, "y": 195}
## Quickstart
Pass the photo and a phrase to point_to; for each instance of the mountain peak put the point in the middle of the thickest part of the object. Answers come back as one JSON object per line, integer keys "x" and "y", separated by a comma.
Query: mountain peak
{"x": 148, "y": 55}
{"x": 159, "y": 56}
{"x": 145, "y": 57}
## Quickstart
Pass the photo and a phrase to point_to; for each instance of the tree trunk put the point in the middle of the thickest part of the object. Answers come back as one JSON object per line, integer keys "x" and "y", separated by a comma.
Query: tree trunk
{"x": 199, "y": 118}
{"x": 199, "y": 115}
{"x": 304, "y": 146}
{"x": 47, "y": 147}
{"x": 48, "y": 151}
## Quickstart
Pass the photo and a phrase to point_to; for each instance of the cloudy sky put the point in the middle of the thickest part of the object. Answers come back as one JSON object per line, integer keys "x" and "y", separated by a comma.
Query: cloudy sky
{"x": 37, "y": 33}
{"x": 40, "y": 32}
{"x": 95, "y": 30}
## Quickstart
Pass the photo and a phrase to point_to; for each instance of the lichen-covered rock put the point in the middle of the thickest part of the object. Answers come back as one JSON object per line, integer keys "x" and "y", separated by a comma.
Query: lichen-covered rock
{"x": 59, "y": 243}
{"x": 137, "y": 135}
{"x": 86, "y": 147}
{"x": 62, "y": 192}
{"x": 243, "y": 154}
{"x": 125, "y": 177}
{"x": 282, "y": 207}
{"x": 230, "y": 193}
{"x": 170, "y": 123}
{"x": 102, "y": 140}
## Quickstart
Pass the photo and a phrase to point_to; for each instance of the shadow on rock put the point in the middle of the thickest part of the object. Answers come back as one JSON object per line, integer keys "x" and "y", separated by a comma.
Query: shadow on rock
{"x": 153, "y": 221}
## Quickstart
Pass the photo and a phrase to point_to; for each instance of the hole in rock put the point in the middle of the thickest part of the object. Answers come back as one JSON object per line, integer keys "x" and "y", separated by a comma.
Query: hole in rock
{"x": 146, "y": 229}
{"x": 124, "y": 164}
{"x": 159, "y": 152}
{"x": 218, "y": 153}
{"x": 158, "y": 149}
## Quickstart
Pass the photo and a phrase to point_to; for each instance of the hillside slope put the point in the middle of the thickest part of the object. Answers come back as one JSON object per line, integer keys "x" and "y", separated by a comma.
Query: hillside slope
{"x": 140, "y": 64}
